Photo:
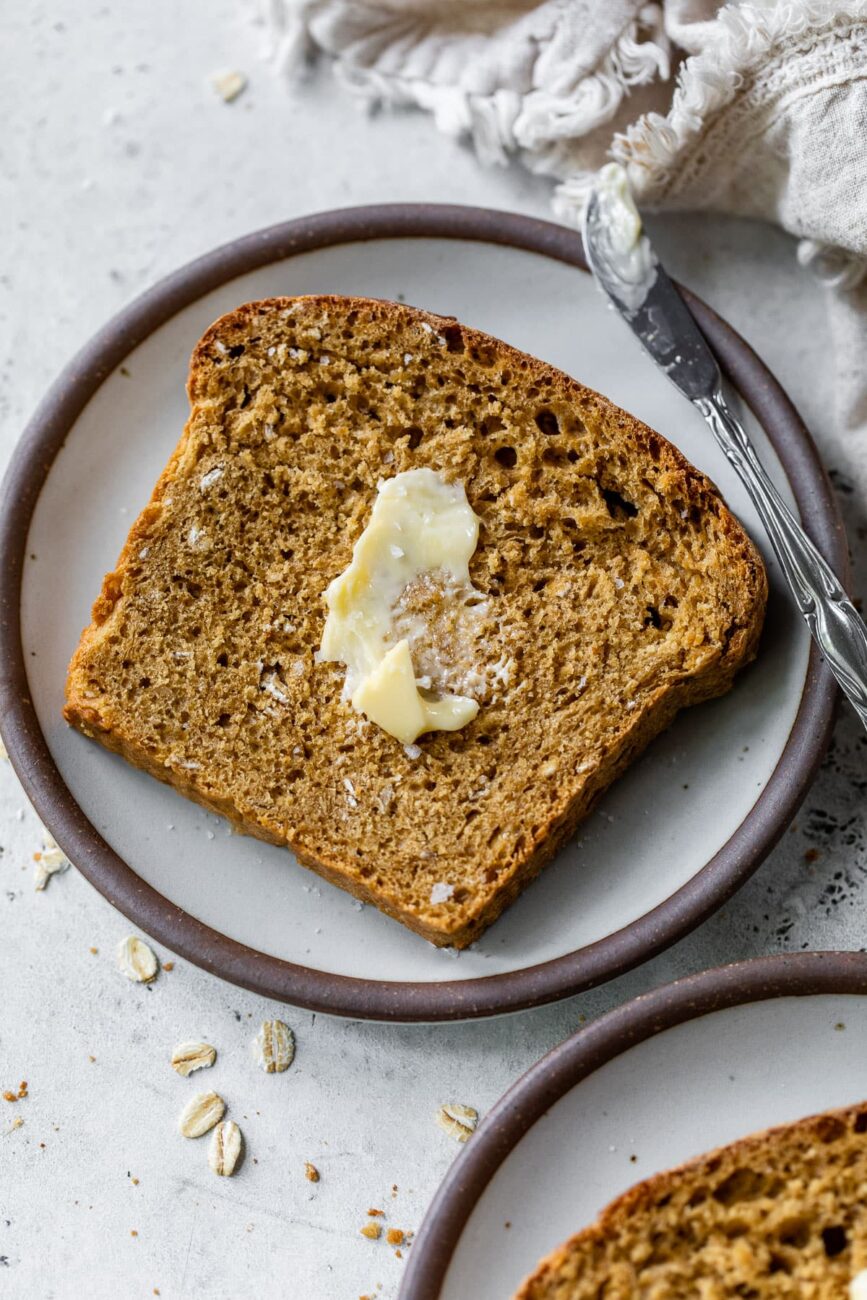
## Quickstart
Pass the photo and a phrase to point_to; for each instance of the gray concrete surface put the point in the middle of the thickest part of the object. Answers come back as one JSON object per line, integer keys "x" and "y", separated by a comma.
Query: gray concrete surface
{"x": 118, "y": 162}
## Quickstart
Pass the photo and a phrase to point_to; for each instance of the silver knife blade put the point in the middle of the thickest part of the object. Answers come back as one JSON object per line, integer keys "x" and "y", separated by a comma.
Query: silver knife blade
{"x": 645, "y": 297}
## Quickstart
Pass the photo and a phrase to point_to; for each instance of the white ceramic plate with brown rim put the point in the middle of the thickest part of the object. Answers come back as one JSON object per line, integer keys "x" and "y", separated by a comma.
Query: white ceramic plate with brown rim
{"x": 671, "y": 840}
{"x": 673, "y": 1074}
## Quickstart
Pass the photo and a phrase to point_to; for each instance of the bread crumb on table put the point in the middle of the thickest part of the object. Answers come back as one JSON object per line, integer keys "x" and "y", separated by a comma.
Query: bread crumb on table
{"x": 311, "y": 1173}
{"x": 373, "y": 1231}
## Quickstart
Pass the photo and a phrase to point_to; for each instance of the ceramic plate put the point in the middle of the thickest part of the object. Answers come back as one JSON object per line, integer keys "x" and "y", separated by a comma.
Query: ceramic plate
{"x": 664, "y": 1078}
{"x": 670, "y": 842}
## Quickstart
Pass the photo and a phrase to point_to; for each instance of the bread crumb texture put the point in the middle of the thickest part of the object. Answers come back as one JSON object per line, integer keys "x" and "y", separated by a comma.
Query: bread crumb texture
{"x": 615, "y": 588}
{"x": 777, "y": 1214}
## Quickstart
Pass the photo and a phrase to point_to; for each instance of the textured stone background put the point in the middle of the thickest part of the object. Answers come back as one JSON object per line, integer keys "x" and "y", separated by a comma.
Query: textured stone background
{"x": 118, "y": 162}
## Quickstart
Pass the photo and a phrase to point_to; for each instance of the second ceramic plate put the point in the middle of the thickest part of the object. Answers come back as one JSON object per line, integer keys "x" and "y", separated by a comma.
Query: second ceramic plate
{"x": 667, "y": 1077}
{"x": 670, "y": 841}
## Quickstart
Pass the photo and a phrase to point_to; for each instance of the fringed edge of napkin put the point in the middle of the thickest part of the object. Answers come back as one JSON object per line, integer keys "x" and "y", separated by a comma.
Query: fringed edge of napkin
{"x": 369, "y": 44}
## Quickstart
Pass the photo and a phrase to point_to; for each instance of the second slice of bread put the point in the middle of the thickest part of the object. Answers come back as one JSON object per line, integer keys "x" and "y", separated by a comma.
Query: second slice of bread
{"x": 773, "y": 1216}
{"x": 618, "y": 588}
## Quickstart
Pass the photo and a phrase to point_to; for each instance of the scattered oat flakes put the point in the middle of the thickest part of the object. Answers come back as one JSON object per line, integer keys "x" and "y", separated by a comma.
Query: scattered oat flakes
{"x": 18, "y": 1122}
{"x": 274, "y": 1046}
{"x": 311, "y": 1173}
{"x": 201, "y": 1113}
{"x": 188, "y": 1057}
{"x": 395, "y": 1237}
{"x": 225, "y": 1148}
{"x": 456, "y": 1120}
{"x": 136, "y": 960}
{"x": 229, "y": 85}
{"x": 373, "y": 1231}
{"x": 49, "y": 862}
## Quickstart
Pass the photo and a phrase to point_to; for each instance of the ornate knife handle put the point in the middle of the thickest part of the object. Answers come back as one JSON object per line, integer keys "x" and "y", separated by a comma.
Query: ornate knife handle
{"x": 835, "y": 624}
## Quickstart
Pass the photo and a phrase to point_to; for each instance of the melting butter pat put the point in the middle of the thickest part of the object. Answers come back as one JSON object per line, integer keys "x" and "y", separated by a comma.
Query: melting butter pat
{"x": 419, "y": 524}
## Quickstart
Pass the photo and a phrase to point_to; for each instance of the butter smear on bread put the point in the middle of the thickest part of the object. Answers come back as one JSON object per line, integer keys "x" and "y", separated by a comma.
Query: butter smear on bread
{"x": 419, "y": 525}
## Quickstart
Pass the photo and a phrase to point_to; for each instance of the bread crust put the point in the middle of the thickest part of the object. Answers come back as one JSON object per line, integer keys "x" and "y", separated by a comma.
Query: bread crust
{"x": 444, "y": 926}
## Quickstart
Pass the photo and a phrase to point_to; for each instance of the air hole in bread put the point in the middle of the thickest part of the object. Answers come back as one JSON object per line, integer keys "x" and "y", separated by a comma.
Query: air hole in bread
{"x": 834, "y": 1240}
{"x": 454, "y": 338}
{"x": 506, "y": 456}
{"x": 742, "y": 1185}
{"x": 413, "y": 435}
{"x": 547, "y": 422}
{"x": 617, "y": 505}
{"x": 830, "y": 1128}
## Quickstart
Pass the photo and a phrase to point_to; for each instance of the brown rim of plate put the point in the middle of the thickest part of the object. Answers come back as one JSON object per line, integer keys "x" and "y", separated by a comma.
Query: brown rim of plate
{"x": 565, "y": 1066}
{"x": 339, "y": 994}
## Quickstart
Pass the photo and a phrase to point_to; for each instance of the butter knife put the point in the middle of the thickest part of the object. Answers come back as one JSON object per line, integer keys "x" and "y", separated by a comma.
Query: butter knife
{"x": 628, "y": 270}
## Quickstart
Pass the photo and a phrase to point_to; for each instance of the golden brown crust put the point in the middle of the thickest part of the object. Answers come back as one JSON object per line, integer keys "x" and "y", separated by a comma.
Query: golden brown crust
{"x": 778, "y": 1213}
{"x": 552, "y": 500}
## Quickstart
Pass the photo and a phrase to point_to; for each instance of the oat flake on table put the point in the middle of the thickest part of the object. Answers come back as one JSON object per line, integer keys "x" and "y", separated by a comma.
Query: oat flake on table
{"x": 52, "y": 860}
{"x": 136, "y": 960}
{"x": 188, "y": 1057}
{"x": 274, "y": 1046}
{"x": 225, "y": 1149}
{"x": 200, "y": 1114}
{"x": 457, "y": 1120}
